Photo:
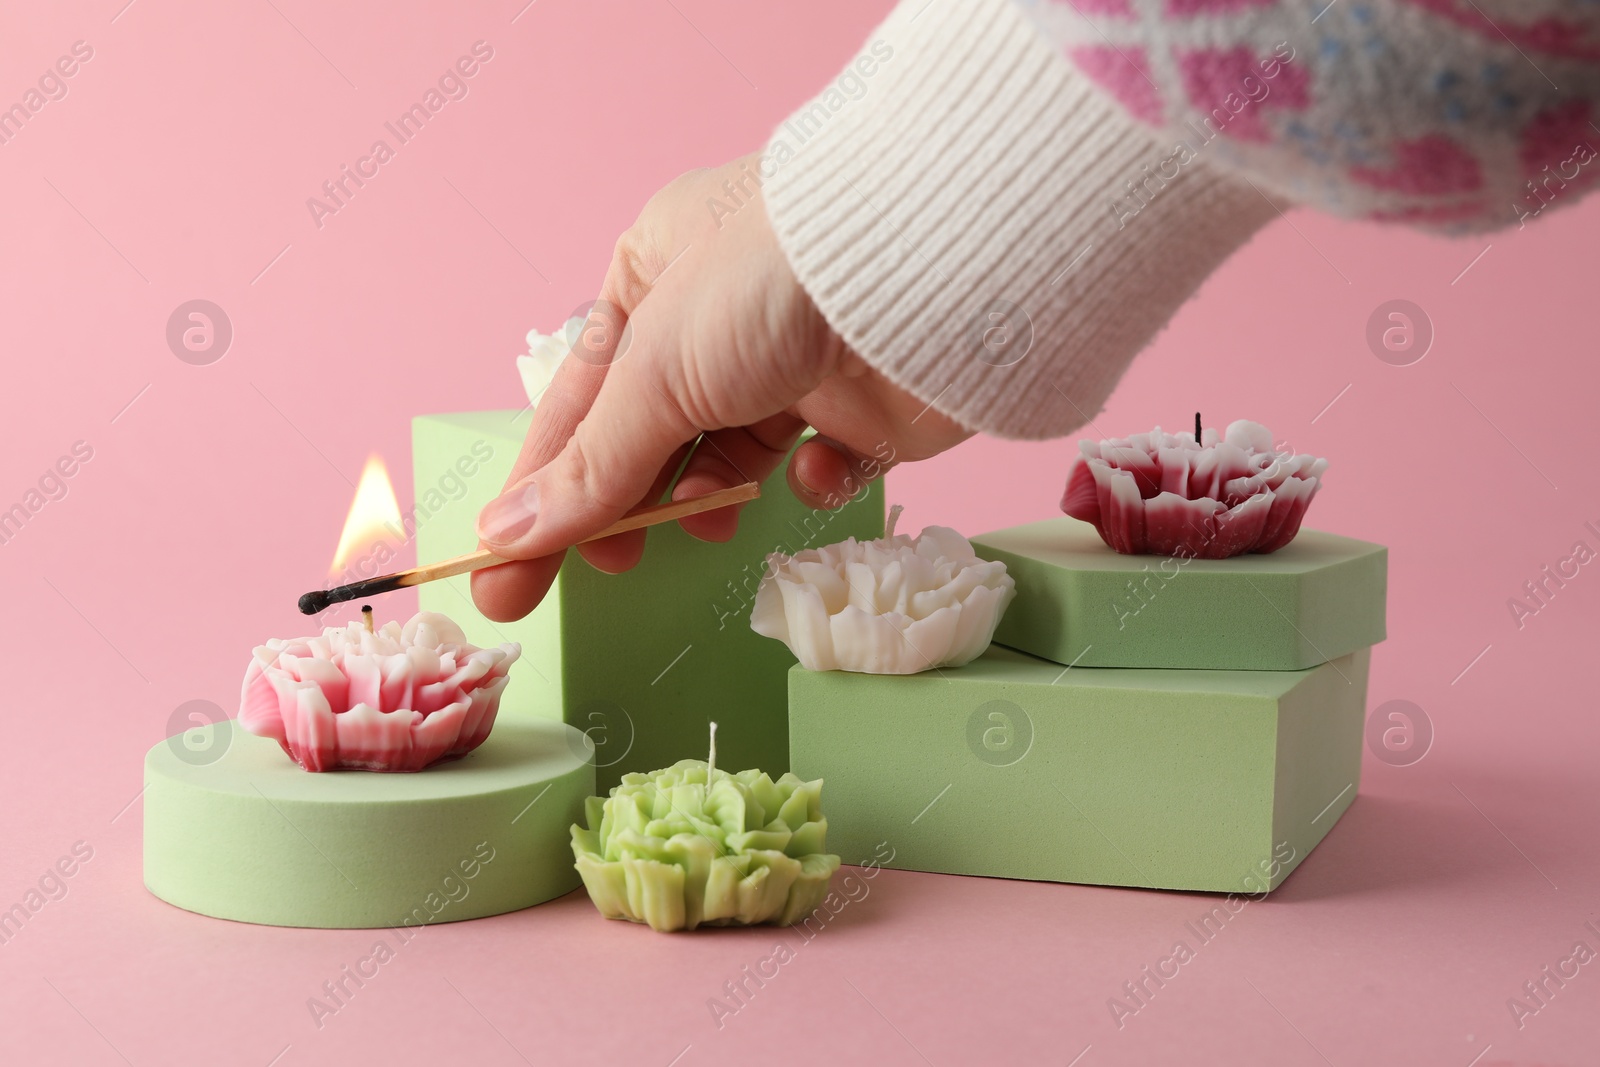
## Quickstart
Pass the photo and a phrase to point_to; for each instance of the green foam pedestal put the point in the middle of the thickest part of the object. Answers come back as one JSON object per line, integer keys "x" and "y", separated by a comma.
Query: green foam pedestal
{"x": 640, "y": 661}
{"x": 235, "y": 829}
{"x": 1078, "y": 602}
{"x": 1015, "y": 767}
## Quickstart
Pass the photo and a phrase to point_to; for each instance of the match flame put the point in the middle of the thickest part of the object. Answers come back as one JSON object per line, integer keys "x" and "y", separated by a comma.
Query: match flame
{"x": 374, "y": 515}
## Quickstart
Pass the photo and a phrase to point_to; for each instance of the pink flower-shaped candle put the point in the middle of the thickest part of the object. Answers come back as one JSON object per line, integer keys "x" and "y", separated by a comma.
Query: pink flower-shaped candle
{"x": 1169, "y": 495}
{"x": 391, "y": 699}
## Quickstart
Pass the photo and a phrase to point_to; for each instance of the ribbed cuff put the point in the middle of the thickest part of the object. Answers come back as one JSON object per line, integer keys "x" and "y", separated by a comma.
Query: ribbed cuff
{"x": 987, "y": 229}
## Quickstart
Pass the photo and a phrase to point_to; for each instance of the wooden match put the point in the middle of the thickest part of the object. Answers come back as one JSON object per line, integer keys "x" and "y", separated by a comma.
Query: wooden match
{"x": 320, "y": 600}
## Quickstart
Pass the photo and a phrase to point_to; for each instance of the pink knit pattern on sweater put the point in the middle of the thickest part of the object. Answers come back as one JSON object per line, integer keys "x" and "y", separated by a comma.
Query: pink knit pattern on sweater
{"x": 1451, "y": 114}
{"x": 1124, "y": 74}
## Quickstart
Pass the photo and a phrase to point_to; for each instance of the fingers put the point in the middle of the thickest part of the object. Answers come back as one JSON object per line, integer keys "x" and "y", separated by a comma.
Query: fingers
{"x": 732, "y": 457}
{"x": 576, "y": 384}
{"x": 622, "y": 552}
{"x": 827, "y": 474}
{"x": 817, "y": 473}
{"x": 607, "y": 466}
{"x": 508, "y": 592}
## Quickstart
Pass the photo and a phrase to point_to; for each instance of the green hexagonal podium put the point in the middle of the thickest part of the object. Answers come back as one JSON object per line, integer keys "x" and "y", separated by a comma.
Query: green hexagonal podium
{"x": 1316, "y": 599}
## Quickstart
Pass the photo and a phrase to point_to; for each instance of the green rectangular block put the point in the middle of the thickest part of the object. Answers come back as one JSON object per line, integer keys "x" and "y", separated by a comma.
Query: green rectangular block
{"x": 1078, "y": 602}
{"x": 1013, "y": 767}
{"x": 640, "y": 661}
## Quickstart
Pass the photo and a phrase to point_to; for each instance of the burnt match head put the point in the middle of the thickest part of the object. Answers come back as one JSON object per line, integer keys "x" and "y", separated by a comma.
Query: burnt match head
{"x": 319, "y": 600}
{"x": 314, "y": 602}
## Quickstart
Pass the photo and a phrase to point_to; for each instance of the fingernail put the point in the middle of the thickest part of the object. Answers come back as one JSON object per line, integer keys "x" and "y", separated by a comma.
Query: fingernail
{"x": 509, "y": 516}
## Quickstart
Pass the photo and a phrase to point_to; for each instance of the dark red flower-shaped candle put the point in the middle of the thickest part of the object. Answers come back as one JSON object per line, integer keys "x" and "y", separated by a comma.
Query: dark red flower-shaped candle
{"x": 1167, "y": 494}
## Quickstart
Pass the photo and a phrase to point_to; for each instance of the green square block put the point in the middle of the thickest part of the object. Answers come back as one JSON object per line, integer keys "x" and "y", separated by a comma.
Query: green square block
{"x": 1078, "y": 602}
{"x": 1013, "y": 767}
{"x": 641, "y": 661}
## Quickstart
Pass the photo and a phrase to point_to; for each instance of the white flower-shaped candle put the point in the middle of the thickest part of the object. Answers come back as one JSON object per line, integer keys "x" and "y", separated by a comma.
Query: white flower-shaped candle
{"x": 896, "y": 605}
{"x": 390, "y": 699}
{"x": 1170, "y": 495}
{"x": 545, "y": 353}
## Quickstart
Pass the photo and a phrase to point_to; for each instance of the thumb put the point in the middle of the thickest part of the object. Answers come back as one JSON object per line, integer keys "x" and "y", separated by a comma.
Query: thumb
{"x": 608, "y": 465}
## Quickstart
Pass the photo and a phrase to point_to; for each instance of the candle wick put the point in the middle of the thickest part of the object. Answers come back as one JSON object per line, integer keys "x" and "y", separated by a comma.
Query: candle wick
{"x": 1197, "y": 427}
{"x": 711, "y": 761}
{"x": 366, "y": 617}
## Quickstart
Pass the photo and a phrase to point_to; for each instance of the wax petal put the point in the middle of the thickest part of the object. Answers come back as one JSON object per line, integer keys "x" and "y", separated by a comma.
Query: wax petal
{"x": 365, "y": 674}
{"x": 1240, "y": 528}
{"x": 932, "y": 640}
{"x": 866, "y": 638}
{"x": 606, "y": 883}
{"x": 760, "y": 839}
{"x": 803, "y": 620}
{"x": 765, "y": 795}
{"x": 308, "y": 721}
{"x": 1122, "y": 509}
{"x": 807, "y": 838}
{"x": 655, "y": 893}
{"x": 1082, "y": 499}
{"x": 1251, "y": 436}
{"x": 258, "y": 703}
{"x": 760, "y": 894}
{"x": 809, "y": 889}
{"x": 431, "y": 629}
{"x": 326, "y": 676}
{"x": 368, "y": 737}
{"x": 974, "y": 627}
{"x": 720, "y": 897}
{"x": 434, "y": 737}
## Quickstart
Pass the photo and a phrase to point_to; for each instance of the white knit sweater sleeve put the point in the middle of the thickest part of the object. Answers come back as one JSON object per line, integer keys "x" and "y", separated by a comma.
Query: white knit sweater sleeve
{"x": 999, "y": 230}
{"x": 951, "y": 217}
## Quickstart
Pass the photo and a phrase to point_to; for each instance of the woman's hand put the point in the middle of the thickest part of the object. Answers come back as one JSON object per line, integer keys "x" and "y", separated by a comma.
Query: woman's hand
{"x": 701, "y": 334}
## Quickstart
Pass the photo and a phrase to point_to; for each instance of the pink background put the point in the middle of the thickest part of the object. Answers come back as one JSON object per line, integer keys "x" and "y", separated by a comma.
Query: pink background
{"x": 177, "y": 167}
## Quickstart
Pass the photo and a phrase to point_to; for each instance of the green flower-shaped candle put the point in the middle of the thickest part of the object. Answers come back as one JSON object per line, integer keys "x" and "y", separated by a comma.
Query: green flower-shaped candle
{"x": 691, "y": 845}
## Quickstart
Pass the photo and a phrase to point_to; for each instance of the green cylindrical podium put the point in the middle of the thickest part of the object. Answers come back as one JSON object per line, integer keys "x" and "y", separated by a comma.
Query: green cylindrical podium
{"x": 235, "y": 829}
